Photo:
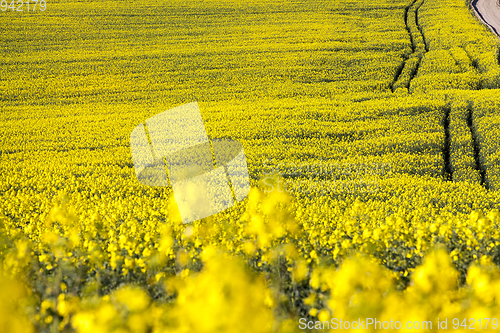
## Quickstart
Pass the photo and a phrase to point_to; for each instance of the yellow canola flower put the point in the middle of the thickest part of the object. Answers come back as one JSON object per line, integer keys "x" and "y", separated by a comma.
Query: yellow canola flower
{"x": 360, "y": 284}
{"x": 134, "y": 298}
{"x": 127, "y": 310}
{"x": 223, "y": 297}
{"x": 436, "y": 275}
{"x": 166, "y": 241}
{"x": 484, "y": 278}
{"x": 13, "y": 301}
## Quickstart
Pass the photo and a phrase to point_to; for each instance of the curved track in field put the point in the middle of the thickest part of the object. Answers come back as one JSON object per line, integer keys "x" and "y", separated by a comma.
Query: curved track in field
{"x": 408, "y": 70}
{"x": 488, "y": 11}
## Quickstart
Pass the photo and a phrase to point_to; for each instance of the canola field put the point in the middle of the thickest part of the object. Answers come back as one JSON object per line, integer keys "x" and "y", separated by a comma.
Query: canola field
{"x": 371, "y": 134}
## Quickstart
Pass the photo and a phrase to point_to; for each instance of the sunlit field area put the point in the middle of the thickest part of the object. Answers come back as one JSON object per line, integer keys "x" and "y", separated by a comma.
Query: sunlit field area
{"x": 371, "y": 131}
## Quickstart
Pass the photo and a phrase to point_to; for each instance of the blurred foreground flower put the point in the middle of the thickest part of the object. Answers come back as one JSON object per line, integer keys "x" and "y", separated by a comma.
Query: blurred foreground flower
{"x": 13, "y": 305}
{"x": 224, "y": 297}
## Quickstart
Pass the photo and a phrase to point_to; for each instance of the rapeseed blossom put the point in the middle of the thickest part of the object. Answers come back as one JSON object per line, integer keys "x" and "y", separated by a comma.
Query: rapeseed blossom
{"x": 372, "y": 137}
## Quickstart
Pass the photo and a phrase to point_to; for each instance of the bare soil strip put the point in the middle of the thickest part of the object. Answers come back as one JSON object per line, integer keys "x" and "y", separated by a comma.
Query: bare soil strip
{"x": 488, "y": 11}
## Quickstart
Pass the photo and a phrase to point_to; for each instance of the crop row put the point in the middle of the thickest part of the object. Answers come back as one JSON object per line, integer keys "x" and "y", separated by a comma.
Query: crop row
{"x": 448, "y": 25}
{"x": 412, "y": 62}
{"x": 486, "y": 120}
{"x": 462, "y": 150}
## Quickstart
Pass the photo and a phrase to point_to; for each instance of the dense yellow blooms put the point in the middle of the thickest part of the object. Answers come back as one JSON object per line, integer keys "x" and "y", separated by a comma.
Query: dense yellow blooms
{"x": 372, "y": 138}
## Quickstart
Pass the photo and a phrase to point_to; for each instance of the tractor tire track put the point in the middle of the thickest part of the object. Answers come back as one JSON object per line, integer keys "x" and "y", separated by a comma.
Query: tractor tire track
{"x": 408, "y": 70}
{"x": 464, "y": 151}
{"x": 475, "y": 144}
{"x": 419, "y": 27}
{"x": 401, "y": 67}
{"x": 447, "y": 170}
{"x": 407, "y": 8}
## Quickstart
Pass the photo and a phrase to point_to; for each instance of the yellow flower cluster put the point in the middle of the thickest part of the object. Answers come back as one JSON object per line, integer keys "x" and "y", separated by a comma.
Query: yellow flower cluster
{"x": 283, "y": 253}
{"x": 363, "y": 289}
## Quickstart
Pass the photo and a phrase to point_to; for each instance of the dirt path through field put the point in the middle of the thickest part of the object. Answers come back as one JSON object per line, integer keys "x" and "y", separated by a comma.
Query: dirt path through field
{"x": 488, "y": 11}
